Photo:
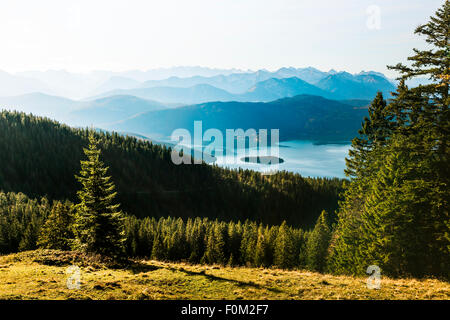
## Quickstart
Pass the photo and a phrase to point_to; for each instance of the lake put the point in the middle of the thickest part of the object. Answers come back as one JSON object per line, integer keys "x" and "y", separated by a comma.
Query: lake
{"x": 304, "y": 157}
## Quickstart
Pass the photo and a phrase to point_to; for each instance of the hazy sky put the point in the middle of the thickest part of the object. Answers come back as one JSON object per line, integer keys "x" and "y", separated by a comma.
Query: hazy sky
{"x": 80, "y": 36}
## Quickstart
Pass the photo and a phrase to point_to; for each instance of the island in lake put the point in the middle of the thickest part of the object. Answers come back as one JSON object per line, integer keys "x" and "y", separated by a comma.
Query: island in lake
{"x": 263, "y": 159}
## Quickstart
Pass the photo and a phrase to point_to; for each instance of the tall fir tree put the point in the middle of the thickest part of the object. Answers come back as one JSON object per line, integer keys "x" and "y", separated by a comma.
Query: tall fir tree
{"x": 248, "y": 243}
{"x": 318, "y": 243}
{"x": 196, "y": 239}
{"x": 57, "y": 233}
{"x": 234, "y": 241}
{"x": 375, "y": 128}
{"x": 401, "y": 229}
{"x": 159, "y": 251}
{"x": 373, "y": 135}
{"x": 395, "y": 209}
{"x": 302, "y": 252}
{"x": 262, "y": 248}
{"x": 99, "y": 224}
{"x": 431, "y": 118}
{"x": 284, "y": 255}
{"x": 216, "y": 244}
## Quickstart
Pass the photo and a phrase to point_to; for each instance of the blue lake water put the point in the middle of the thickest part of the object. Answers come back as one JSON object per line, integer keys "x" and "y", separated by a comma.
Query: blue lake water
{"x": 304, "y": 157}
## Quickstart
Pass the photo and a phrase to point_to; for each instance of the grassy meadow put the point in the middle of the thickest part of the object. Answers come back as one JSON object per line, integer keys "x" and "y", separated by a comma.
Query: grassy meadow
{"x": 42, "y": 274}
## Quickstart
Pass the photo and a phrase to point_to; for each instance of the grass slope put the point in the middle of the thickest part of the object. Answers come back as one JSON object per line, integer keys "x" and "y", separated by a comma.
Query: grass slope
{"x": 42, "y": 274}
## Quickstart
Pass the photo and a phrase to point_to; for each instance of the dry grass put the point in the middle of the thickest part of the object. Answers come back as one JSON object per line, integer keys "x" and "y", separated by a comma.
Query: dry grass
{"x": 42, "y": 275}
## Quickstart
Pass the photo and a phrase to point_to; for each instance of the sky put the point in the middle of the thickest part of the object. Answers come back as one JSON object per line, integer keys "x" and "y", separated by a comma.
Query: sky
{"x": 86, "y": 35}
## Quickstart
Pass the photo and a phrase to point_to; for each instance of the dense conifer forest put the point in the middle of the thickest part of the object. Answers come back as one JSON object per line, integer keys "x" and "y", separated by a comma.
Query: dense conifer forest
{"x": 27, "y": 224}
{"x": 40, "y": 158}
{"x": 195, "y": 213}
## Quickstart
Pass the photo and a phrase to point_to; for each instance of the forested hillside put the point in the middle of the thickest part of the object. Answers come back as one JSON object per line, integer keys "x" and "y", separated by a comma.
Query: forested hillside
{"x": 303, "y": 117}
{"x": 40, "y": 158}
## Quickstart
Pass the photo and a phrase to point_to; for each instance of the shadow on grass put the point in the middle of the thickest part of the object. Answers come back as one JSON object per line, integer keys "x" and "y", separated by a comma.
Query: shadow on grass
{"x": 137, "y": 267}
{"x": 239, "y": 283}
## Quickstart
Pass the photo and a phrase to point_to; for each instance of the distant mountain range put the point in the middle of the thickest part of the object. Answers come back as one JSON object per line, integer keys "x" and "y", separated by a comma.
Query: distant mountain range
{"x": 96, "y": 83}
{"x": 80, "y": 85}
{"x": 114, "y": 83}
{"x": 110, "y": 109}
{"x": 195, "y": 94}
{"x": 304, "y": 117}
{"x": 39, "y": 104}
{"x": 11, "y": 85}
{"x": 273, "y": 89}
{"x": 336, "y": 86}
{"x": 239, "y": 82}
{"x": 304, "y": 103}
{"x": 242, "y": 82}
{"x": 344, "y": 85}
{"x": 80, "y": 113}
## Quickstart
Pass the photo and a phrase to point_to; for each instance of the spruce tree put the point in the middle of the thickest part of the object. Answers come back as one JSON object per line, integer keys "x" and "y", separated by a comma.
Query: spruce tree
{"x": 318, "y": 243}
{"x": 177, "y": 239}
{"x": 303, "y": 254}
{"x": 196, "y": 239}
{"x": 29, "y": 239}
{"x": 158, "y": 249}
{"x": 234, "y": 240}
{"x": 395, "y": 209}
{"x": 271, "y": 236}
{"x": 261, "y": 250}
{"x": 399, "y": 226}
{"x": 375, "y": 128}
{"x": 208, "y": 256}
{"x": 434, "y": 62}
{"x": 248, "y": 243}
{"x": 215, "y": 244}
{"x": 57, "y": 233}
{"x": 99, "y": 225}
{"x": 284, "y": 256}
{"x": 361, "y": 167}
{"x": 431, "y": 117}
